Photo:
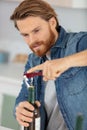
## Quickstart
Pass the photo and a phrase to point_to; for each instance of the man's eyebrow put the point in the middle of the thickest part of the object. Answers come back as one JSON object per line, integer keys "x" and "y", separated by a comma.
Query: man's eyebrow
{"x": 23, "y": 33}
{"x": 35, "y": 28}
{"x": 31, "y": 30}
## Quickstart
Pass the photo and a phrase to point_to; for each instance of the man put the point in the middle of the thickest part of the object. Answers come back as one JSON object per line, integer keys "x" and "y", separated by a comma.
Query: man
{"x": 62, "y": 90}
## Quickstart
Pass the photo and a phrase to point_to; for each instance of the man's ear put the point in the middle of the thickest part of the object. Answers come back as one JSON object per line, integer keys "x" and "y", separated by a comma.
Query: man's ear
{"x": 53, "y": 22}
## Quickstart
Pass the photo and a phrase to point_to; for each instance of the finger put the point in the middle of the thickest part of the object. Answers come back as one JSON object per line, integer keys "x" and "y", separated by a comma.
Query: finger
{"x": 39, "y": 67}
{"x": 26, "y": 105}
{"x": 24, "y": 118}
{"x": 22, "y": 123}
{"x": 37, "y": 103}
{"x": 46, "y": 71}
{"x": 45, "y": 78}
{"x": 24, "y": 112}
{"x": 49, "y": 78}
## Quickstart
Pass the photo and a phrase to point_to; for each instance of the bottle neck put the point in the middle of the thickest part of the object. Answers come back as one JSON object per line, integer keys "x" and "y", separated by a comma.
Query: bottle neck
{"x": 31, "y": 97}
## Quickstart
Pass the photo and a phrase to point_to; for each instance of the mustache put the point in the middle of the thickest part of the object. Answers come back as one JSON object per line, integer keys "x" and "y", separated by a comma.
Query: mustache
{"x": 37, "y": 43}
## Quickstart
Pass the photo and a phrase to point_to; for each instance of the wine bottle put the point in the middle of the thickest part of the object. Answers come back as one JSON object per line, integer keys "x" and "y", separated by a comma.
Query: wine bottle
{"x": 35, "y": 124}
{"x": 79, "y": 122}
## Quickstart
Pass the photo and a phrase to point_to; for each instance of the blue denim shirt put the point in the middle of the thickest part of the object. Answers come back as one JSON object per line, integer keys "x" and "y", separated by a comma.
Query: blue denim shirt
{"x": 71, "y": 86}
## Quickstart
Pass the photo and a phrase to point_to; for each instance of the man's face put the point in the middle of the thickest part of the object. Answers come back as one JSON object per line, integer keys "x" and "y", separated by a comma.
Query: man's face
{"x": 40, "y": 35}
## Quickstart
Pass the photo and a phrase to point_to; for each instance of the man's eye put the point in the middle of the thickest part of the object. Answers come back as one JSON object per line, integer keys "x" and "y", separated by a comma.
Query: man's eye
{"x": 25, "y": 35}
{"x": 36, "y": 31}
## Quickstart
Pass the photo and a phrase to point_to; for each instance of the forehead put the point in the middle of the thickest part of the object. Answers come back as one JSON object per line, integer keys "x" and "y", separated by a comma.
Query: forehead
{"x": 31, "y": 23}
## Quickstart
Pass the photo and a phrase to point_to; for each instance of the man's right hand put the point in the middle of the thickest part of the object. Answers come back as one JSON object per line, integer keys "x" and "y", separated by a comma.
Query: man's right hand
{"x": 24, "y": 113}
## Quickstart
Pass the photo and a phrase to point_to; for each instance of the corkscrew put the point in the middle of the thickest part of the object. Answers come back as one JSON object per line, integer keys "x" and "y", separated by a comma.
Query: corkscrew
{"x": 26, "y": 81}
{"x": 31, "y": 75}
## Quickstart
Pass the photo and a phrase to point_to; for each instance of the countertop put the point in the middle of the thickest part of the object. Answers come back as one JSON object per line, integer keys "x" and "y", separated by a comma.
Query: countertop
{"x": 4, "y": 128}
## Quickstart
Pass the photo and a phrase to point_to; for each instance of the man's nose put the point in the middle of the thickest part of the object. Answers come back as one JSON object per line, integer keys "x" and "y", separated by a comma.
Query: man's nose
{"x": 32, "y": 38}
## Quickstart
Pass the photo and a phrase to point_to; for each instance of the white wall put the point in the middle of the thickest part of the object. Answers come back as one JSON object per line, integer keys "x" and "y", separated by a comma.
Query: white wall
{"x": 73, "y": 19}
{"x": 10, "y": 39}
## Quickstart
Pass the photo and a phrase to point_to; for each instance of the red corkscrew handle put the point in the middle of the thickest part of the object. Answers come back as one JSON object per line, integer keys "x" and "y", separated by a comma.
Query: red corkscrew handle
{"x": 30, "y": 75}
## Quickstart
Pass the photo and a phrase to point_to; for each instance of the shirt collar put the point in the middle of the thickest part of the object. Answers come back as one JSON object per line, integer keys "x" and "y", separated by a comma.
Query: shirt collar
{"x": 60, "y": 40}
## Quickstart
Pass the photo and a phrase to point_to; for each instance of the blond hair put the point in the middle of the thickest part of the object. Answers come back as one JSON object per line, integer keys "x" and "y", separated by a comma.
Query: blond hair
{"x": 36, "y": 8}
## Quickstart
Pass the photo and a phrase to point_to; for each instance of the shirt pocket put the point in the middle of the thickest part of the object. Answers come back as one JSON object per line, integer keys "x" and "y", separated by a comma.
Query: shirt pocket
{"x": 75, "y": 80}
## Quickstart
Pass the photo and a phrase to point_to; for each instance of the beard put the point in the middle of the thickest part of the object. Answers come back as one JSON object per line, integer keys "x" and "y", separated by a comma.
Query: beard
{"x": 43, "y": 46}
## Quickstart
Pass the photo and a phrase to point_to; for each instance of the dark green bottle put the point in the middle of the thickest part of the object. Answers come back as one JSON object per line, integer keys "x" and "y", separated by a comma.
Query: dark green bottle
{"x": 35, "y": 124}
{"x": 79, "y": 122}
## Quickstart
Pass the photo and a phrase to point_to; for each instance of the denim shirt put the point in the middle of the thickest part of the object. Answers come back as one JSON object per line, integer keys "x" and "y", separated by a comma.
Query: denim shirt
{"x": 71, "y": 86}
